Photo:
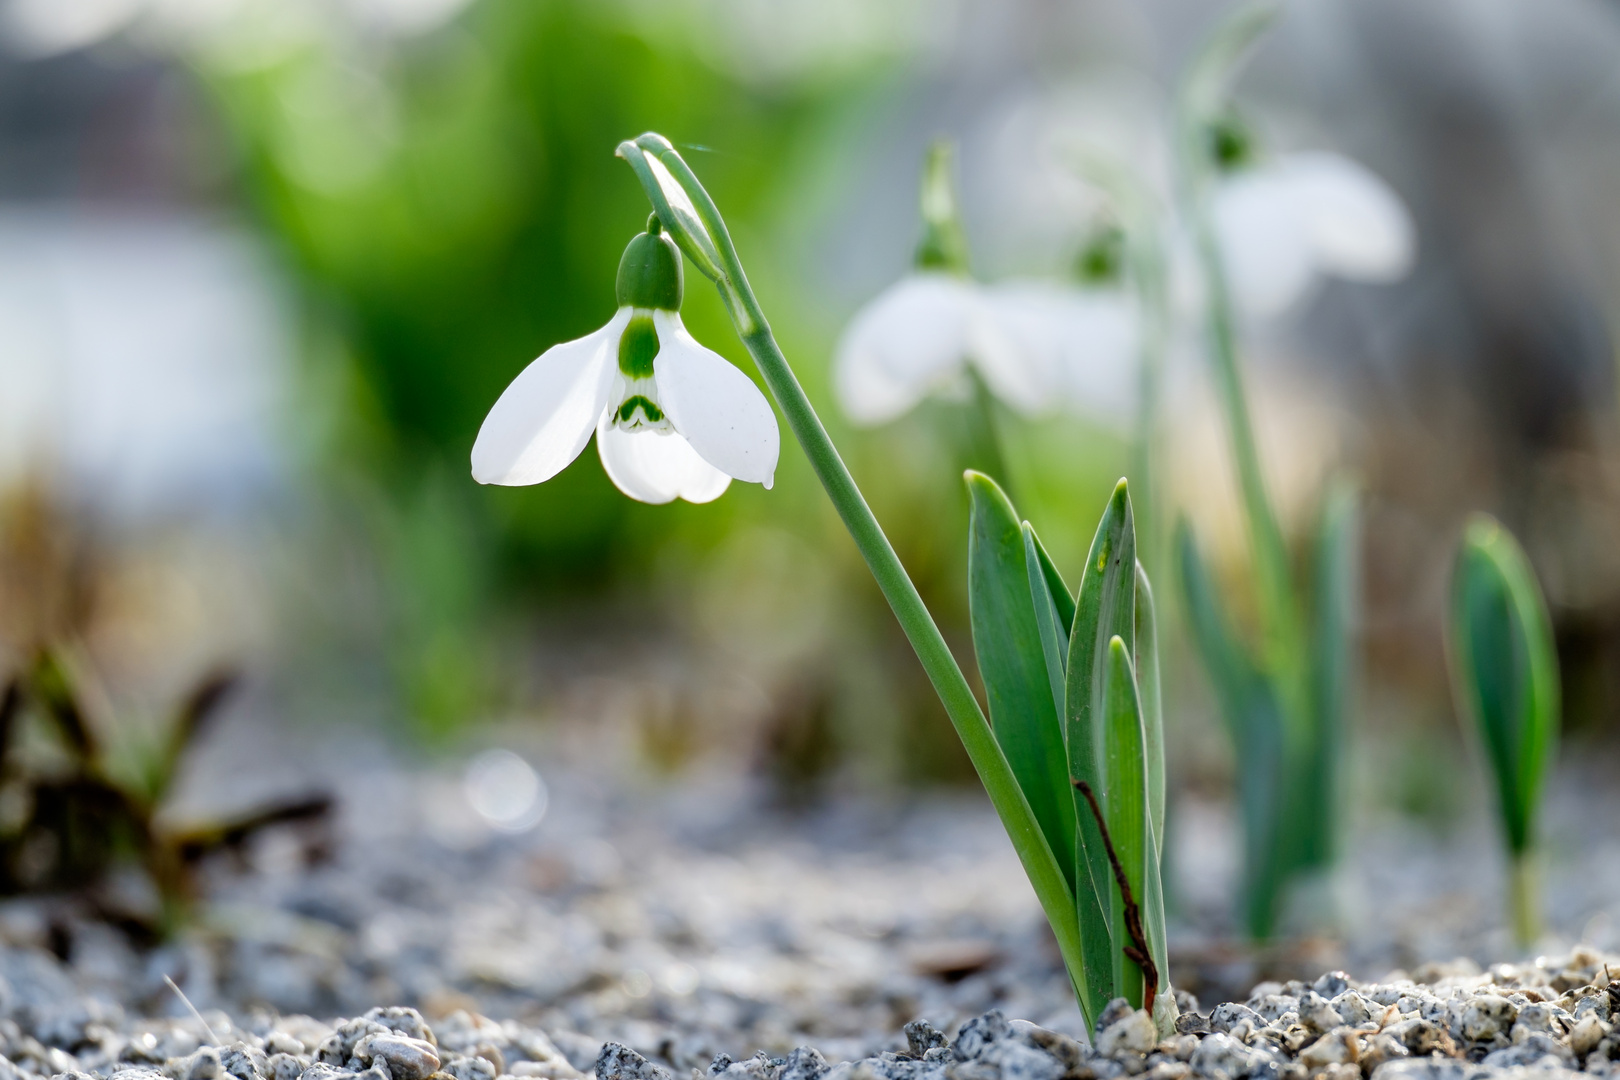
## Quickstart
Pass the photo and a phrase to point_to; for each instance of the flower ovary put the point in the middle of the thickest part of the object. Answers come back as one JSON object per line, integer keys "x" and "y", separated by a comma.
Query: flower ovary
{"x": 650, "y": 273}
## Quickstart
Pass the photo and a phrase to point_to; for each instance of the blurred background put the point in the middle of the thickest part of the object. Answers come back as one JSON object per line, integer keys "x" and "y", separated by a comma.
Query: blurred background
{"x": 265, "y": 265}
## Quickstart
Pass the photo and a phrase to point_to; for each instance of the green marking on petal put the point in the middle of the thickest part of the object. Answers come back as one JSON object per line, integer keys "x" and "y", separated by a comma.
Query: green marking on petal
{"x": 648, "y": 409}
{"x": 638, "y": 346}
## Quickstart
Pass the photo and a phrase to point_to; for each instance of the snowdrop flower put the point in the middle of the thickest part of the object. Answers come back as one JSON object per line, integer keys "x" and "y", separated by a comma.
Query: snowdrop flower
{"x": 1282, "y": 223}
{"x": 1087, "y": 338}
{"x": 672, "y": 418}
{"x": 923, "y": 334}
{"x": 919, "y": 337}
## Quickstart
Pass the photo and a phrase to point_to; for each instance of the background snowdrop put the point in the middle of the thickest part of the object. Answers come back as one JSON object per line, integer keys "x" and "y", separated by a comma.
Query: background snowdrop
{"x": 1283, "y": 223}
{"x": 936, "y": 330}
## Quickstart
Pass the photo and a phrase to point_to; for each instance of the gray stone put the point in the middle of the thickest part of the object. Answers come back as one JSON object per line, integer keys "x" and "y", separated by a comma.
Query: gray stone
{"x": 1228, "y": 1013}
{"x": 978, "y": 1033}
{"x": 408, "y": 1058}
{"x": 1356, "y": 1009}
{"x": 1221, "y": 1057}
{"x": 1486, "y": 1017}
{"x": 1317, "y": 1015}
{"x": 1274, "y": 1006}
{"x": 1332, "y": 984}
{"x": 618, "y": 1062}
{"x": 1133, "y": 1031}
{"x": 338, "y": 1048}
{"x": 804, "y": 1063}
{"x": 922, "y": 1037}
{"x": 1426, "y": 1068}
{"x": 283, "y": 1067}
{"x": 404, "y": 1021}
{"x": 244, "y": 1062}
{"x": 1531, "y": 1051}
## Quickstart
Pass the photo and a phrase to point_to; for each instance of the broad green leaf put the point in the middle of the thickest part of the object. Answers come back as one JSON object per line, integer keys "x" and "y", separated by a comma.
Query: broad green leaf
{"x": 1505, "y": 669}
{"x": 1125, "y": 804}
{"x": 1012, "y": 662}
{"x": 1147, "y": 684}
{"x": 1048, "y": 617}
{"x": 1253, "y": 716}
{"x": 1336, "y": 587}
{"x": 1105, "y": 608}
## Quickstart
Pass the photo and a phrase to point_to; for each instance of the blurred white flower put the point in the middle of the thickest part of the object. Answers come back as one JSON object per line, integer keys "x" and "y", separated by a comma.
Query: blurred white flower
{"x": 672, "y": 418}
{"x": 1282, "y": 223}
{"x": 919, "y": 336}
{"x": 1088, "y": 338}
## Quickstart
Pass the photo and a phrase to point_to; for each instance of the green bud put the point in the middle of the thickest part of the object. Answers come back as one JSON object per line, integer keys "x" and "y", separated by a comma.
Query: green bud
{"x": 650, "y": 271}
{"x": 944, "y": 243}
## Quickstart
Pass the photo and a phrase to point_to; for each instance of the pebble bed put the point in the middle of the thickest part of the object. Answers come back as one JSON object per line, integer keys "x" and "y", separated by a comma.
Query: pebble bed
{"x": 1446, "y": 1022}
{"x": 699, "y": 930}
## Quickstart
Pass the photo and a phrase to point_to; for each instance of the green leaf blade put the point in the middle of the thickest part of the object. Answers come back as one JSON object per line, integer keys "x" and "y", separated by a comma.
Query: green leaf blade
{"x": 1249, "y": 705}
{"x": 1012, "y": 661}
{"x": 1505, "y": 669}
{"x": 1336, "y": 588}
{"x": 1125, "y": 804}
{"x": 1048, "y": 617}
{"x": 1104, "y": 608}
{"x": 1148, "y": 686}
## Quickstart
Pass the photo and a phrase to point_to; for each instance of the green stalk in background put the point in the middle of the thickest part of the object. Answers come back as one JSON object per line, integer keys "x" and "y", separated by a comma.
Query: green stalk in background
{"x": 944, "y": 248}
{"x": 1504, "y": 672}
{"x": 690, "y": 217}
{"x": 1285, "y": 705}
{"x": 1138, "y": 243}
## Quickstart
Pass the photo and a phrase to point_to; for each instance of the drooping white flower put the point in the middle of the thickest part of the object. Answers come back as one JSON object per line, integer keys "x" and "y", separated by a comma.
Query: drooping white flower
{"x": 672, "y": 418}
{"x": 1088, "y": 340}
{"x": 919, "y": 336}
{"x": 1282, "y": 223}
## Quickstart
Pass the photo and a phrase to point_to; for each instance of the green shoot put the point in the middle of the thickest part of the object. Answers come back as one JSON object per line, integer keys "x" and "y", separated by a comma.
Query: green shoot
{"x": 1504, "y": 673}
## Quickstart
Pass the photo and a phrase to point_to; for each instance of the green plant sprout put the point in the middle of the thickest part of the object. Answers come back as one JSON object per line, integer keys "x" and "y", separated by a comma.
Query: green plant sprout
{"x": 86, "y": 809}
{"x": 1504, "y": 675}
{"x": 1284, "y": 702}
{"x": 1103, "y": 710}
{"x": 1081, "y": 728}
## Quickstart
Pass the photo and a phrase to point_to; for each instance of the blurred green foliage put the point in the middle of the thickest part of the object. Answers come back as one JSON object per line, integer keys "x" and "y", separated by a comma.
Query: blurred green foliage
{"x": 450, "y": 207}
{"x": 457, "y": 209}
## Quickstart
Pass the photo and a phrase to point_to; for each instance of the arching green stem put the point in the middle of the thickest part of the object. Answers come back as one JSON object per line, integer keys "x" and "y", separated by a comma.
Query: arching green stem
{"x": 690, "y": 216}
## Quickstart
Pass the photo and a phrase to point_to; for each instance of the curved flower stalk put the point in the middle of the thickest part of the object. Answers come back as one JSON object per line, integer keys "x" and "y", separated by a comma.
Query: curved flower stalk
{"x": 672, "y": 419}
{"x": 694, "y": 223}
{"x": 1285, "y": 702}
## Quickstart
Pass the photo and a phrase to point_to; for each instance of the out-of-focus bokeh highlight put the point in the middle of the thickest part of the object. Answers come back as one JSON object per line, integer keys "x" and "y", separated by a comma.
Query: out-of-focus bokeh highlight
{"x": 265, "y": 265}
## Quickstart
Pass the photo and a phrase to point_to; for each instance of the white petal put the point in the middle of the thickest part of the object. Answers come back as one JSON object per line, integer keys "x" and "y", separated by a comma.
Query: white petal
{"x": 1090, "y": 336}
{"x": 545, "y": 417}
{"x": 1264, "y": 241}
{"x": 656, "y": 467}
{"x": 914, "y": 336}
{"x": 1356, "y": 224}
{"x": 1025, "y": 337}
{"x": 714, "y": 405}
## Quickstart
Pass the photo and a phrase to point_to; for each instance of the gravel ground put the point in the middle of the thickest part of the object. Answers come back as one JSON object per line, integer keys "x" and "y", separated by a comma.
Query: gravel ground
{"x": 696, "y": 919}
